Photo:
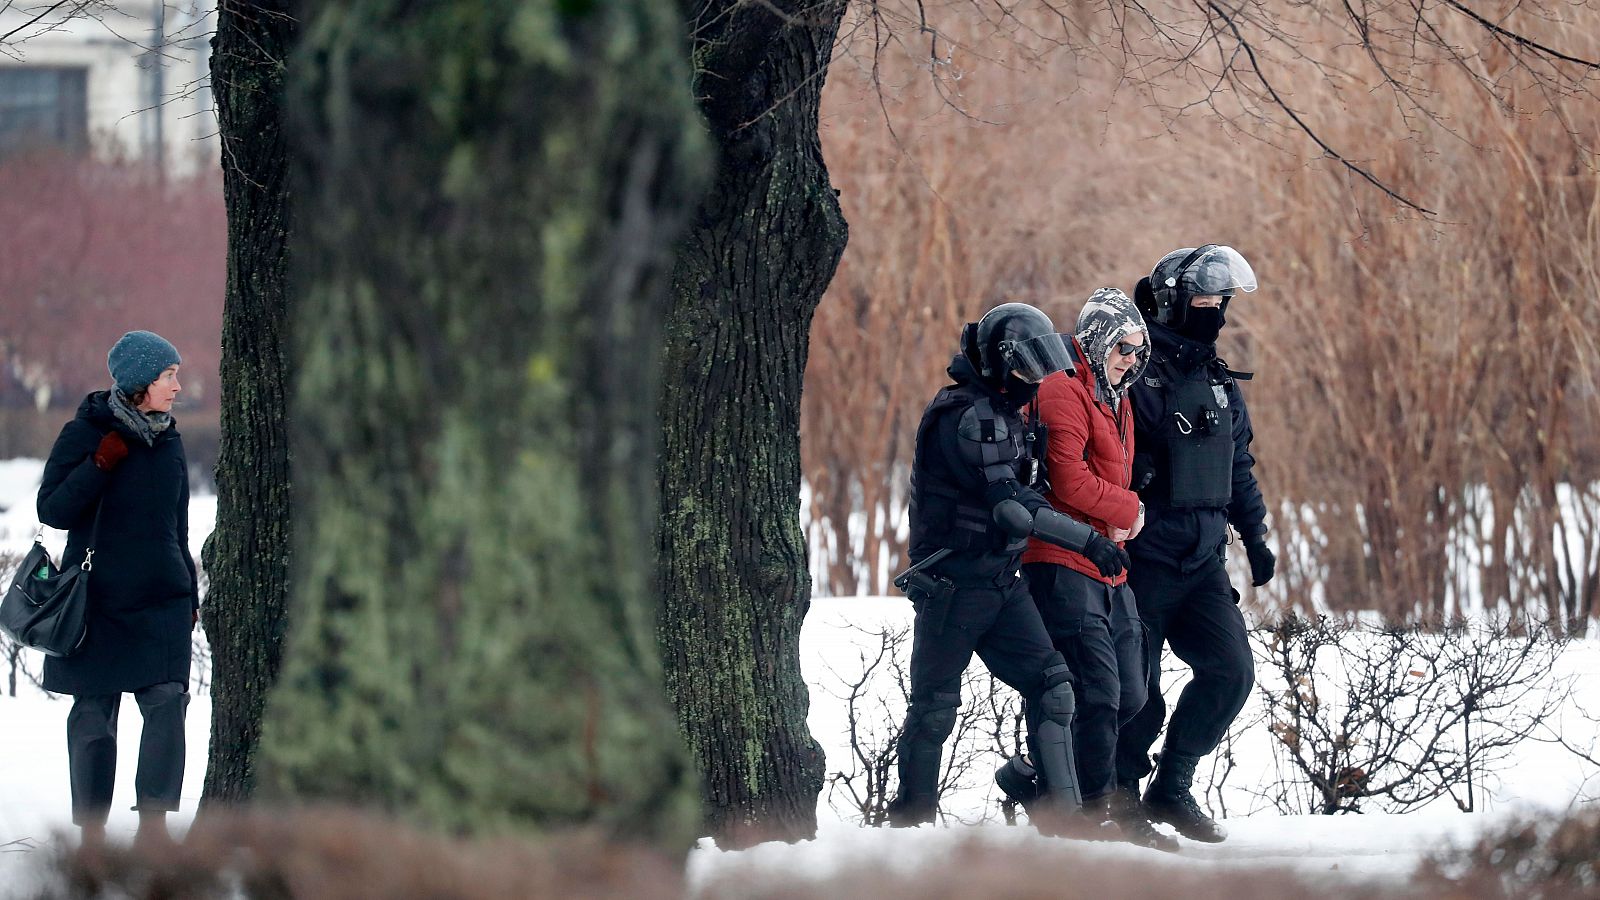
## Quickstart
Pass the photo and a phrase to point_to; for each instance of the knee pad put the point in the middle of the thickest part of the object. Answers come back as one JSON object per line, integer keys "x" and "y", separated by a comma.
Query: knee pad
{"x": 1058, "y": 703}
{"x": 936, "y": 718}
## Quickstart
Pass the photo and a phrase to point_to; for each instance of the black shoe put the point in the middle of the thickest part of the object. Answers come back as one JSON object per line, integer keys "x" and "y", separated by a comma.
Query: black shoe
{"x": 1127, "y": 811}
{"x": 1169, "y": 800}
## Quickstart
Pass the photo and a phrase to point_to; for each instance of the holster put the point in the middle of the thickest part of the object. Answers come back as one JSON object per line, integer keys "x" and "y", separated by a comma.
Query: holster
{"x": 930, "y": 594}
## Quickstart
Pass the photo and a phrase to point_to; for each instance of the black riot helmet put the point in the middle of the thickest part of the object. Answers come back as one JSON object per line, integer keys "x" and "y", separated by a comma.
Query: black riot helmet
{"x": 1209, "y": 270}
{"x": 1016, "y": 337}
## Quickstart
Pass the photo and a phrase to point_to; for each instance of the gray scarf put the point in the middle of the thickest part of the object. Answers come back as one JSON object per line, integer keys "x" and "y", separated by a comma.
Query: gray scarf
{"x": 148, "y": 426}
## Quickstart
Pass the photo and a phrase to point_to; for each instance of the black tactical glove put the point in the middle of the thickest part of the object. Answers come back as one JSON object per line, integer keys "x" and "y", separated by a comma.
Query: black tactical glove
{"x": 1144, "y": 471}
{"x": 1110, "y": 559}
{"x": 1262, "y": 563}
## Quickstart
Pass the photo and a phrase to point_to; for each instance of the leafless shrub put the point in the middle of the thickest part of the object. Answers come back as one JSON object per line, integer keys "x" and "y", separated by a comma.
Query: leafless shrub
{"x": 1397, "y": 717}
{"x": 989, "y": 728}
{"x": 875, "y": 726}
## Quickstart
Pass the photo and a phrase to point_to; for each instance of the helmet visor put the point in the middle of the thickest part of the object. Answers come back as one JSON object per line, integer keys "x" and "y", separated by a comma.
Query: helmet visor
{"x": 1219, "y": 271}
{"x": 1038, "y": 356}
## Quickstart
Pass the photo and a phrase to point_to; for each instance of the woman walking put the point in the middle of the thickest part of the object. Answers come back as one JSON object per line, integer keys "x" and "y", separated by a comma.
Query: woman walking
{"x": 1091, "y": 616}
{"x": 118, "y": 482}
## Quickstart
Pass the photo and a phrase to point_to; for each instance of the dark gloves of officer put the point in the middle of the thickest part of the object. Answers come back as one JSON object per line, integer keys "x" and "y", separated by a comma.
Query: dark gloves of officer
{"x": 1262, "y": 563}
{"x": 111, "y": 451}
{"x": 1110, "y": 559}
{"x": 1144, "y": 471}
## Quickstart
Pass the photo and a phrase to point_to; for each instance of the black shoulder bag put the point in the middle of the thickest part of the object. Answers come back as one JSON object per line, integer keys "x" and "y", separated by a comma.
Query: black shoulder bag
{"x": 45, "y": 608}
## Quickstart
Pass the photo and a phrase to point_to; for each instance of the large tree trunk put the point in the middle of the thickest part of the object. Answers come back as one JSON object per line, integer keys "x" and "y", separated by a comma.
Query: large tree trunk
{"x": 746, "y": 282}
{"x": 489, "y": 192}
{"x": 247, "y": 556}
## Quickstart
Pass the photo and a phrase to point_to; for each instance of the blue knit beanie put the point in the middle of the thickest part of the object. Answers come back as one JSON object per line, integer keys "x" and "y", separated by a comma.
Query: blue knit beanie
{"x": 138, "y": 358}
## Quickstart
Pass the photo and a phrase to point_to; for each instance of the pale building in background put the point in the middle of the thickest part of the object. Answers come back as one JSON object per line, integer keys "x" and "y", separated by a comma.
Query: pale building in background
{"x": 126, "y": 80}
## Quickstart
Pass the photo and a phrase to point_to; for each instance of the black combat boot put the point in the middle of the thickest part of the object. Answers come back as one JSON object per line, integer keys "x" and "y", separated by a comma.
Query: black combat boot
{"x": 1020, "y": 783}
{"x": 1128, "y": 812}
{"x": 1168, "y": 800}
{"x": 1016, "y": 781}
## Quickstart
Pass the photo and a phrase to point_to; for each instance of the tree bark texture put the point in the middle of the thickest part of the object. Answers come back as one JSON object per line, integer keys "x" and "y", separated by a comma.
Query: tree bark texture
{"x": 489, "y": 193}
{"x": 247, "y": 555}
{"x": 747, "y": 279}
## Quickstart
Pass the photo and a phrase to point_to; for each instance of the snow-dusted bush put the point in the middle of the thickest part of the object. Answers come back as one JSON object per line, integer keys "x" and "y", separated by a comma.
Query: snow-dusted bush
{"x": 1345, "y": 718}
{"x": 1391, "y": 718}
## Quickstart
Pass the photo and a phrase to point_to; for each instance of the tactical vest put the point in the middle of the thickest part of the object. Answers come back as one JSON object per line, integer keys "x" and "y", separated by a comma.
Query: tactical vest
{"x": 943, "y": 512}
{"x": 1199, "y": 435}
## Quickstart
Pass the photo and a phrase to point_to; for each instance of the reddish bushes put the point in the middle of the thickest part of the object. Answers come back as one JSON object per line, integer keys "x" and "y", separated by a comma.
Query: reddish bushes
{"x": 90, "y": 250}
{"x": 1425, "y": 404}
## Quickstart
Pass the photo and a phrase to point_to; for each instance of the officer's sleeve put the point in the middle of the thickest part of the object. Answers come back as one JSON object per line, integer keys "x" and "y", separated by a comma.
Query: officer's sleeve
{"x": 1247, "y": 512}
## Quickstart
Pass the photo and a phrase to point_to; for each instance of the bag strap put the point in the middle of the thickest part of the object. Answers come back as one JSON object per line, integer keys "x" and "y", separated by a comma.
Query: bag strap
{"x": 94, "y": 534}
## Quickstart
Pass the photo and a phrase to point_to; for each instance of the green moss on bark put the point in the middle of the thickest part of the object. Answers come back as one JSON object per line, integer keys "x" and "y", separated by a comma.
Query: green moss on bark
{"x": 745, "y": 284}
{"x": 489, "y": 187}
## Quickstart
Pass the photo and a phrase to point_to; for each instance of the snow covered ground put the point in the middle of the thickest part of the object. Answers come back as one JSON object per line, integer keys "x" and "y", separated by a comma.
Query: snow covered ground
{"x": 840, "y": 638}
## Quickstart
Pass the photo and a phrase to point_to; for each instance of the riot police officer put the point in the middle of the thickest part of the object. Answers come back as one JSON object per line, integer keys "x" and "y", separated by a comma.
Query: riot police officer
{"x": 1193, "y": 472}
{"x": 973, "y": 508}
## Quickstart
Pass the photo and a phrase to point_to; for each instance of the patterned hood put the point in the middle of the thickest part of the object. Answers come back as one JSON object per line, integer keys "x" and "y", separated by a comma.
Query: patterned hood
{"x": 1108, "y": 316}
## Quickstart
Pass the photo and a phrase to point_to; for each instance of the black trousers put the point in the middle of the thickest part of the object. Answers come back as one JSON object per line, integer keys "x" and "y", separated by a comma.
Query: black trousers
{"x": 1097, "y": 628}
{"x": 1198, "y": 614}
{"x": 92, "y": 751}
{"x": 1002, "y": 626}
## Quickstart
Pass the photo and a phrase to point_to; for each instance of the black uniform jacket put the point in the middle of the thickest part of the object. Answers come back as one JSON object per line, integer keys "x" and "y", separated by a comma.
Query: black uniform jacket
{"x": 1189, "y": 537}
{"x": 953, "y": 495}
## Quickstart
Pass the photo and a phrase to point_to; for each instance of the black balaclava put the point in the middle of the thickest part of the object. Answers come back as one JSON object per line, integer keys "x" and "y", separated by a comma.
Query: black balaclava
{"x": 1203, "y": 324}
{"x": 1019, "y": 393}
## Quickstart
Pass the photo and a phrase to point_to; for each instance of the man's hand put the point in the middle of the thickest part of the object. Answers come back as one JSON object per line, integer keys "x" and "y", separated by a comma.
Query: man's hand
{"x": 112, "y": 450}
{"x": 1110, "y": 559}
{"x": 1262, "y": 563}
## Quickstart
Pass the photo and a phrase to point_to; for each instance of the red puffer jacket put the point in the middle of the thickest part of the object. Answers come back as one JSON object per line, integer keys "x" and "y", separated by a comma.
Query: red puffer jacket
{"x": 1089, "y": 457}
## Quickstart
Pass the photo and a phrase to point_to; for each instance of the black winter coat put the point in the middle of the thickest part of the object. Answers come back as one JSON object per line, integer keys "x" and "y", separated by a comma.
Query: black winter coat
{"x": 142, "y": 590}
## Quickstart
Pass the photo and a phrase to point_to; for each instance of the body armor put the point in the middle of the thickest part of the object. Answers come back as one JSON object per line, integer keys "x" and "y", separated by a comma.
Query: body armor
{"x": 944, "y": 514}
{"x": 1199, "y": 436}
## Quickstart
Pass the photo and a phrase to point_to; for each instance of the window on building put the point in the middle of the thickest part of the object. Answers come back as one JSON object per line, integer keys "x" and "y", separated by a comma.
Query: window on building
{"x": 43, "y": 107}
